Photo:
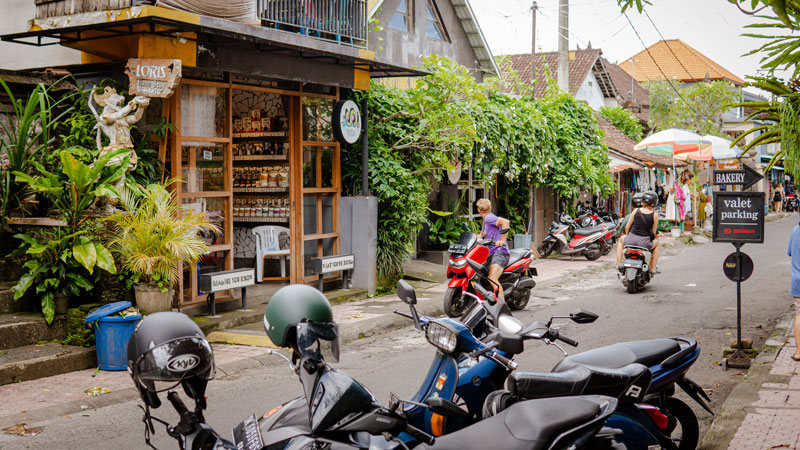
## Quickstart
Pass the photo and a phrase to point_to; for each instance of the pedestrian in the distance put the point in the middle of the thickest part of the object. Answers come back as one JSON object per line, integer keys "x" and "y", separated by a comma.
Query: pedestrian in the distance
{"x": 794, "y": 252}
{"x": 498, "y": 253}
{"x": 777, "y": 198}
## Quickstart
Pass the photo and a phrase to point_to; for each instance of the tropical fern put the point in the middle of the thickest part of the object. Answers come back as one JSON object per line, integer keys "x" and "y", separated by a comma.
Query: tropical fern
{"x": 154, "y": 236}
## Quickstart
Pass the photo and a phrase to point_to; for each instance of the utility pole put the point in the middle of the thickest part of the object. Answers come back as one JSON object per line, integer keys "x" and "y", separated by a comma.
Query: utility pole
{"x": 563, "y": 45}
{"x": 532, "y": 229}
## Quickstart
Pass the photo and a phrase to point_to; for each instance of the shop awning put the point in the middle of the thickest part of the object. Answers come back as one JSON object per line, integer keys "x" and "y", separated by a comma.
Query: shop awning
{"x": 81, "y": 28}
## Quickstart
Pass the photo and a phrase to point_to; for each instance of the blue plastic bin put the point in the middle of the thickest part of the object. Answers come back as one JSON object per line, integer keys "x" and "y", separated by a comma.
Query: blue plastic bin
{"x": 112, "y": 334}
{"x": 111, "y": 340}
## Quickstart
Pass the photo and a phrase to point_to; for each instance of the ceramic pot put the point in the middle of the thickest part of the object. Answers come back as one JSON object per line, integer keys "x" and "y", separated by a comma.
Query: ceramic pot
{"x": 150, "y": 299}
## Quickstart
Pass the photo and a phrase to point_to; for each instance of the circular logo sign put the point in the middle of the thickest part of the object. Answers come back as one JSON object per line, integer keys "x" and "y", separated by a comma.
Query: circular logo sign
{"x": 730, "y": 269}
{"x": 347, "y": 121}
{"x": 182, "y": 363}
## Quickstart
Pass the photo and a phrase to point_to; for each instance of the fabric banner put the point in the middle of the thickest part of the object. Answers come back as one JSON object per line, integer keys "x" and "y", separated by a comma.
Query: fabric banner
{"x": 242, "y": 11}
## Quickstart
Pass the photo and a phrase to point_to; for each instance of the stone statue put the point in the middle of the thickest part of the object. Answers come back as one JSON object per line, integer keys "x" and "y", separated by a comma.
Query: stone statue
{"x": 115, "y": 121}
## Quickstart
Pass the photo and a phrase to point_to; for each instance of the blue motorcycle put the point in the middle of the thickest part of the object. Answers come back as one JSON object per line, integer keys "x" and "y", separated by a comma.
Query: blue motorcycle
{"x": 468, "y": 373}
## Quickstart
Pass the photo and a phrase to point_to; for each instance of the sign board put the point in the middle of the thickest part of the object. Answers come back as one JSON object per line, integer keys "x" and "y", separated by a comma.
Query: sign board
{"x": 229, "y": 279}
{"x": 745, "y": 177}
{"x": 329, "y": 264}
{"x": 738, "y": 217}
{"x": 729, "y": 164}
{"x": 153, "y": 77}
{"x": 346, "y": 121}
{"x": 729, "y": 267}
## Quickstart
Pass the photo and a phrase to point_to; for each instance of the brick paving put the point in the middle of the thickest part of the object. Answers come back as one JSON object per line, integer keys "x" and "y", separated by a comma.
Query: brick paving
{"x": 46, "y": 392}
{"x": 774, "y": 422}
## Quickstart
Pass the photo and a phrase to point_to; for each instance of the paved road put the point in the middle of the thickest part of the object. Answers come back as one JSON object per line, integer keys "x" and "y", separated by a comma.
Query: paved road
{"x": 691, "y": 297}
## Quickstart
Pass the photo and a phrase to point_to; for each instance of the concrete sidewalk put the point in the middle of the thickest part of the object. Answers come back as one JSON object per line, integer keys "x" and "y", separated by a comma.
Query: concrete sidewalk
{"x": 763, "y": 412}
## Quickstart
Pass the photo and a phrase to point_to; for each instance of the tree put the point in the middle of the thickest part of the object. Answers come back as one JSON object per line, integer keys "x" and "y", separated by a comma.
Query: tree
{"x": 624, "y": 120}
{"x": 699, "y": 109}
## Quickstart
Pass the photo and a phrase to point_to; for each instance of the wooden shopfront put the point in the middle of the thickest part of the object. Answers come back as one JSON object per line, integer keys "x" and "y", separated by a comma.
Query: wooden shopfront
{"x": 254, "y": 153}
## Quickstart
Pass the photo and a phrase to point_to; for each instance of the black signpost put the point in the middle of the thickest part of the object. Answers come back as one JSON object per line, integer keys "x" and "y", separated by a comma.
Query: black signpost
{"x": 738, "y": 219}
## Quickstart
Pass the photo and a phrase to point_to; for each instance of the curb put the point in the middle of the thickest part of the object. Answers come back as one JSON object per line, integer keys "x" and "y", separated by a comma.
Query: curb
{"x": 739, "y": 401}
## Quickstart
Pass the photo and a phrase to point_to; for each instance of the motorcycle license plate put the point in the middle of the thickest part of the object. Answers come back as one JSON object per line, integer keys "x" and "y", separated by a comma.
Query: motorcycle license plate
{"x": 247, "y": 435}
{"x": 457, "y": 248}
{"x": 633, "y": 263}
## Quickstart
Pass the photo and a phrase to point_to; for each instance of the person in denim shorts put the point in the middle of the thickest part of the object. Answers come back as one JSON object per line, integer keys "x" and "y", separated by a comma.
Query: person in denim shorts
{"x": 498, "y": 253}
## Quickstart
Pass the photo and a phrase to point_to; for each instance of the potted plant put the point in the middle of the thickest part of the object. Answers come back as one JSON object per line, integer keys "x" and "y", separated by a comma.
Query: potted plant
{"x": 153, "y": 238}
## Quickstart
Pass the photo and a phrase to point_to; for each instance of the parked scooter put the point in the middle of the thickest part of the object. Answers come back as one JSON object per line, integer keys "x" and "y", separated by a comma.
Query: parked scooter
{"x": 567, "y": 238}
{"x": 516, "y": 279}
{"x": 668, "y": 419}
{"x": 791, "y": 203}
{"x": 634, "y": 272}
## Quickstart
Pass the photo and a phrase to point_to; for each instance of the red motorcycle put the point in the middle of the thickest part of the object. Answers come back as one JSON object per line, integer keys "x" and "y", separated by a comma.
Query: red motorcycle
{"x": 516, "y": 278}
{"x": 568, "y": 238}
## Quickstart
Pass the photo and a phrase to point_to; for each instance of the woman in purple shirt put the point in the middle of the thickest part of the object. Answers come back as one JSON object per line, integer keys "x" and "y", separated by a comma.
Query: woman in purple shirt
{"x": 498, "y": 253}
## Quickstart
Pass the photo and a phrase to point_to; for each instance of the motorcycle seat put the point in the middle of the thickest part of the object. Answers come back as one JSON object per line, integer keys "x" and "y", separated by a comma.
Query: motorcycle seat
{"x": 580, "y": 380}
{"x": 516, "y": 254}
{"x": 648, "y": 353}
{"x": 637, "y": 247}
{"x": 591, "y": 230}
{"x": 532, "y": 424}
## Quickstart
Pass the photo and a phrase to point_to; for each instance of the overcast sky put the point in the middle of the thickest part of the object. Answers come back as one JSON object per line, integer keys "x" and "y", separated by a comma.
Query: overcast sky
{"x": 713, "y": 27}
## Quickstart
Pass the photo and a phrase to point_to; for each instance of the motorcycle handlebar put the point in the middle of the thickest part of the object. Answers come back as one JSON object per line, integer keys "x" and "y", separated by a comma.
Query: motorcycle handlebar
{"x": 419, "y": 435}
{"x": 177, "y": 403}
{"x": 564, "y": 339}
{"x": 504, "y": 361}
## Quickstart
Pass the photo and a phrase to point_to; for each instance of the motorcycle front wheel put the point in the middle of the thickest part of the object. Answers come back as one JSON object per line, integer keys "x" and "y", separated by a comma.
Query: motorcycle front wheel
{"x": 683, "y": 428}
{"x": 545, "y": 248}
{"x": 455, "y": 302}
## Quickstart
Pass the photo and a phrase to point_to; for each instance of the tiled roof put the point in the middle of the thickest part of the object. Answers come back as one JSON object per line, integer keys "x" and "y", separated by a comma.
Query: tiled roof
{"x": 622, "y": 82}
{"x": 579, "y": 67}
{"x": 620, "y": 142}
{"x": 678, "y": 61}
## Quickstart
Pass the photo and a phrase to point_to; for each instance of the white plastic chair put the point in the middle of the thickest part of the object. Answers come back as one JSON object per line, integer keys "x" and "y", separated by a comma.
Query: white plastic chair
{"x": 267, "y": 245}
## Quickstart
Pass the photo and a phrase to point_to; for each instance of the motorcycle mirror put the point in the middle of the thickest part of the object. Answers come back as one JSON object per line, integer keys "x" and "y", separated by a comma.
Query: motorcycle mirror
{"x": 509, "y": 342}
{"x": 406, "y": 292}
{"x": 445, "y": 407}
{"x": 583, "y": 316}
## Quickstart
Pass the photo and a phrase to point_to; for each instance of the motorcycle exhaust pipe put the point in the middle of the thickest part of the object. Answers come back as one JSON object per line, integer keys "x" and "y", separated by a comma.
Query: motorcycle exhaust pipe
{"x": 525, "y": 283}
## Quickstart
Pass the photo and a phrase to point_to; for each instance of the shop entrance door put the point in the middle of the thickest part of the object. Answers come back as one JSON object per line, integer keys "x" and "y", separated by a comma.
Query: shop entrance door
{"x": 321, "y": 183}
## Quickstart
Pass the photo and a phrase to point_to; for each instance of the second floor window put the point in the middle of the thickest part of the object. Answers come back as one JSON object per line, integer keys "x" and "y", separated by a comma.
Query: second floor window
{"x": 435, "y": 28}
{"x": 401, "y": 20}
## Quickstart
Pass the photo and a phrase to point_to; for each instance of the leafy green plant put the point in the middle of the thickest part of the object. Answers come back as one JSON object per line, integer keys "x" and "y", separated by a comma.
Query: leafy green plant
{"x": 64, "y": 258}
{"x": 700, "y": 110}
{"x": 24, "y": 138}
{"x": 154, "y": 236}
{"x": 624, "y": 120}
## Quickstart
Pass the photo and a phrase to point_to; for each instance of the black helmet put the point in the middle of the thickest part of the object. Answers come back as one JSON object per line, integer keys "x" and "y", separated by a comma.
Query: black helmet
{"x": 636, "y": 201}
{"x": 167, "y": 349}
{"x": 650, "y": 198}
{"x": 298, "y": 316}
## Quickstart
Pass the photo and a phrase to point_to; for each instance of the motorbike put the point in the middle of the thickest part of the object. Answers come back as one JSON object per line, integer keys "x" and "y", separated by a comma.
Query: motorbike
{"x": 634, "y": 272}
{"x": 567, "y": 238}
{"x": 791, "y": 203}
{"x": 657, "y": 412}
{"x": 516, "y": 280}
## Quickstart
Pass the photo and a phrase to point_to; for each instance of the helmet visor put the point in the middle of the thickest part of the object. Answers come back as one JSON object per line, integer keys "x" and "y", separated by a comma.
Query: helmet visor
{"x": 163, "y": 367}
{"x": 309, "y": 335}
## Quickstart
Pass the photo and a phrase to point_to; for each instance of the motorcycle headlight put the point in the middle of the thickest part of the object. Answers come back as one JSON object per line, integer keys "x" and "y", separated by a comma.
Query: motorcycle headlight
{"x": 459, "y": 263}
{"x": 441, "y": 337}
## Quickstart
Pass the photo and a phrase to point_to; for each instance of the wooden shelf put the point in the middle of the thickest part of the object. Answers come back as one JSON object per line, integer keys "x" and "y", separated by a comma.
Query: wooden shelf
{"x": 260, "y": 134}
{"x": 259, "y": 219}
{"x": 259, "y": 190}
{"x": 262, "y": 158}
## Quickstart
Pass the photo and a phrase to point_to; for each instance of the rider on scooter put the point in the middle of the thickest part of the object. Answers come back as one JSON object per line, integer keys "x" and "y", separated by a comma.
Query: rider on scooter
{"x": 641, "y": 229}
{"x": 498, "y": 253}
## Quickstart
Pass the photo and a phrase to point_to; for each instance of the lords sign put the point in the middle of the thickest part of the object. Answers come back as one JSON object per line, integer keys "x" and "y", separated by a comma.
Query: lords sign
{"x": 153, "y": 77}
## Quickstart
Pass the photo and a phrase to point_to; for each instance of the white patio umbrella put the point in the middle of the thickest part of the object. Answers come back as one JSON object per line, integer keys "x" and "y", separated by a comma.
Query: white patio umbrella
{"x": 672, "y": 142}
{"x": 717, "y": 148}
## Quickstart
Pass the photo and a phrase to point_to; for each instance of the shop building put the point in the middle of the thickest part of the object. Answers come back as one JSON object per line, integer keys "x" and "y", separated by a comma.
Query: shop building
{"x": 252, "y": 112}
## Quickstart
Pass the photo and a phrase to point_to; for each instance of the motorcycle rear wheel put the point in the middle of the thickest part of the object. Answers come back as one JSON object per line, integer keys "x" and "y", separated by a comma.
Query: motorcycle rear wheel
{"x": 454, "y": 302}
{"x": 519, "y": 304}
{"x": 545, "y": 248}
{"x": 685, "y": 424}
{"x": 631, "y": 285}
{"x": 594, "y": 252}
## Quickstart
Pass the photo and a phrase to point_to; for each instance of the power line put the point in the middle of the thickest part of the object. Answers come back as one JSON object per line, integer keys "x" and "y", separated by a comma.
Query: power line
{"x": 689, "y": 74}
{"x": 659, "y": 67}
{"x": 558, "y": 27}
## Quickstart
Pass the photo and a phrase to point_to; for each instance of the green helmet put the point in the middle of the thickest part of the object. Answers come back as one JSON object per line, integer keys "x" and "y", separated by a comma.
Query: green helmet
{"x": 289, "y": 306}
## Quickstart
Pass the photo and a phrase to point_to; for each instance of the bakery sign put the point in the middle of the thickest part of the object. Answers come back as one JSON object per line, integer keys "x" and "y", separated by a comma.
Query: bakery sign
{"x": 153, "y": 77}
